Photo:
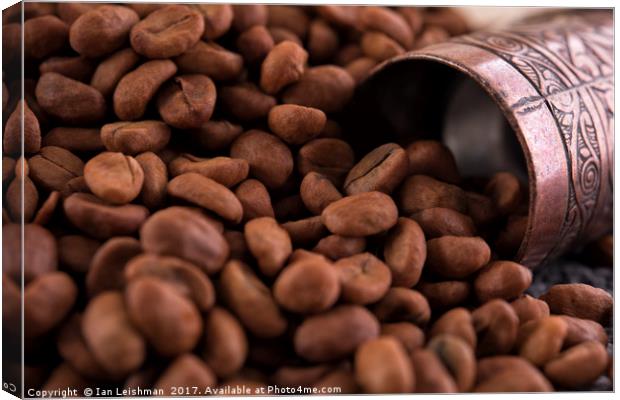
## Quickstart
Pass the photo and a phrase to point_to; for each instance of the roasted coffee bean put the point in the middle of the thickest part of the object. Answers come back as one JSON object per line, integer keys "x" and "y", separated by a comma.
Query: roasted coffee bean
{"x": 153, "y": 191}
{"x": 323, "y": 41}
{"x": 382, "y": 366}
{"x": 408, "y": 334}
{"x": 18, "y": 134}
{"x": 379, "y": 46}
{"x": 502, "y": 279}
{"x": 402, "y": 304}
{"x": 74, "y": 139}
{"x": 255, "y": 43}
{"x": 341, "y": 329}
{"x": 405, "y": 252}
{"x": 245, "y": 101}
{"x": 226, "y": 171}
{"x": 271, "y": 161}
{"x": 248, "y": 15}
{"x": 567, "y": 371}
{"x": 431, "y": 158}
{"x": 579, "y": 300}
{"x": 458, "y": 322}
{"x": 135, "y": 137}
{"x": 437, "y": 222}
{"x": 326, "y": 87}
{"x": 43, "y": 36}
{"x": 101, "y": 31}
{"x": 457, "y": 357}
{"x": 307, "y": 286}
{"x": 53, "y": 167}
{"x": 510, "y": 374}
{"x": 496, "y": 324}
{"x": 212, "y": 60}
{"x": 169, "y": 321}
{"x": 136, "y": 89}
{"x": 68, "y": 100}
{"x": 583, "y": 330}
{"x": 364, "y": 278}
{"x": 305, "y": 231}
{"x": 545, "y": 340}
{"x": 218, "y": 19}
{"x": 226, "y": 346}
{"x": 187, "y": 370}
{"x": 362, "y": 214}
{"x": 289, "y": 17}
{"x": 114, "y": 177}
{"x": 360, "y": 68}
{"x": 73, "y": 348}
{"x": 47, "y": 209}
{"x": 332, "y": 158}
{"x": 269, "y": 243}
{"x": 111, "y": 70}
{"x": 254, "y": 198}
{"x": 336, "y": 247}
{"x": 167, "y": 32}
{"x": 389, "y": 22}
{"x": 380, "y": 170}
{"x": 529, "y": 308}
{"x": 108, "y": 265}
{"x": 457, "y": 257}
{"x": 251, "y": 301}
{"x": 101, "y": 220}
{"x": 206, "y": 193}
{"x": 20, "y": 205}
{"x": 283, "y": 65}
{"x": 40, "y": 253}
{"x": 187, "y": 101}
{"x": 419, "y": 192}
{"x": 76, "y": 252}
{"x": 431, "y": 375}
{"x": 116, "y": 345}
{"x": 294, "y": 124}
{"x": 481, "y": 209}
{"x": 280, "y": 35}
{"x": 185, "y": 233}
{"x": 317, "y": 192}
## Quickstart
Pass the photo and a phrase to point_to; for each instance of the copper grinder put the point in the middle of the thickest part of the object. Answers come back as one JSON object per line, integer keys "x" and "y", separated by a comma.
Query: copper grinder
{"x": 535, "y": 99}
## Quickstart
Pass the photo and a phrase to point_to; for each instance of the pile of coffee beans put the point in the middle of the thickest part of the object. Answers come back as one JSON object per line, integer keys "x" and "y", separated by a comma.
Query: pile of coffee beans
{"x": 194, "y": 218}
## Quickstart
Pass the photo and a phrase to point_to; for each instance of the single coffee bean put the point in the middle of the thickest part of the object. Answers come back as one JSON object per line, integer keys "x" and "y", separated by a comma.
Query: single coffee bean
{"x": 108, "y": 264}
{"x": 17, "y": 133}
{"x": 185, "y": 233}
{"x": 434, "y": 159}
{"x": 431, "y": 376}
{"x": 46, "y": 302}
{"x": 325, "y": 87}
{"x": 43, "y": 36}
{"x": 437, "y": 222}
{"x": 187, "y": 101}
{"x": 567, "y": 370}
{"x": 187, "y": 278}
{"x": 76, "y": 252}
{"x": 389, "y": 22}
{"x": 305, "y": 231}
{"x": 116, "y": 345}
{"x": 283, "y": 65}
{"x": 505, "y": 190}
{"x": 317, "y": 192}
{"x": 168, "y": 320}
{"x": 20, "y": 205}
{"x": 457, "y": 322}
{"x": 101, "y": 31}
{"x": 419, "y": 192}
{"x": 270, "y": 160}
{"x": 332, "y": 158}
{"x": 68, "y": 100}
{"x": 244, "y": 101}
{"x": 114, "y": 177}
{"x": 408, "y": 334}
{"x": 336, "y": 247}
{"x": 251, "y": 301}
{"x": 101, "y": 220}
{"x": 135, "y": 137}
{"x": 153, "y": 192}
{"x": 364, "y": 278}
{"x": 255, "y": 199}
{"x": 206, "y": 193}
{"x": 269, "y": 243}
{"x": 402, "y": 304}
{"x": 405, "y": 252}
{"x": 341, "y": 329}
{"x": 248, "y": 15}
{"x": 382, "y": 366}
{"x": 74, "y": 139}
{"x": 529, "y": 308}
{"x": 53, "y": 167}
{"x": 379, "y": 46}
{"x": 226, "y": 346}
{"x": 545, "y": 340}
{"x": 111, "y": 70}
{"x": 212, "y": 60}
{"x": 187, "y": 370}
{"x": 167, "y": 32}
{"x": 226, "y": 171}
{"x": 444, "y": 295}
{"x": 502, "y": 279}
{"x": 79, "y": 68}
{"x": 39, "y": 252}
{"x": 307, "y": 286}
{"x": 255, "y": 43}
{"x": 323, "y": 41}
{"x": 380, "y": 170}
{"x": 457, "y": 357}
{"x": 496, "y": 324}
{"x": 457, "y": 257}
{"x": 362, "y": 214}
{"x": 136, "y": 89}
{"x": 582, "y": 330}
{"x": 218, "y": 19}
{"x": 579, "y": 300}
{"x": 295, "y": 124}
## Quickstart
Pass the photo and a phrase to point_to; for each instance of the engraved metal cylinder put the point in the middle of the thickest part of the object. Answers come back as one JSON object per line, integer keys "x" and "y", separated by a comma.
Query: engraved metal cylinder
{"x": 552, "y": 79}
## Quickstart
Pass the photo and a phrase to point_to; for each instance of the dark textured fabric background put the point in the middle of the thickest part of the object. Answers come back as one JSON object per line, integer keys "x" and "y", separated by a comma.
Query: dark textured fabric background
{"x": 570, "y": 271}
